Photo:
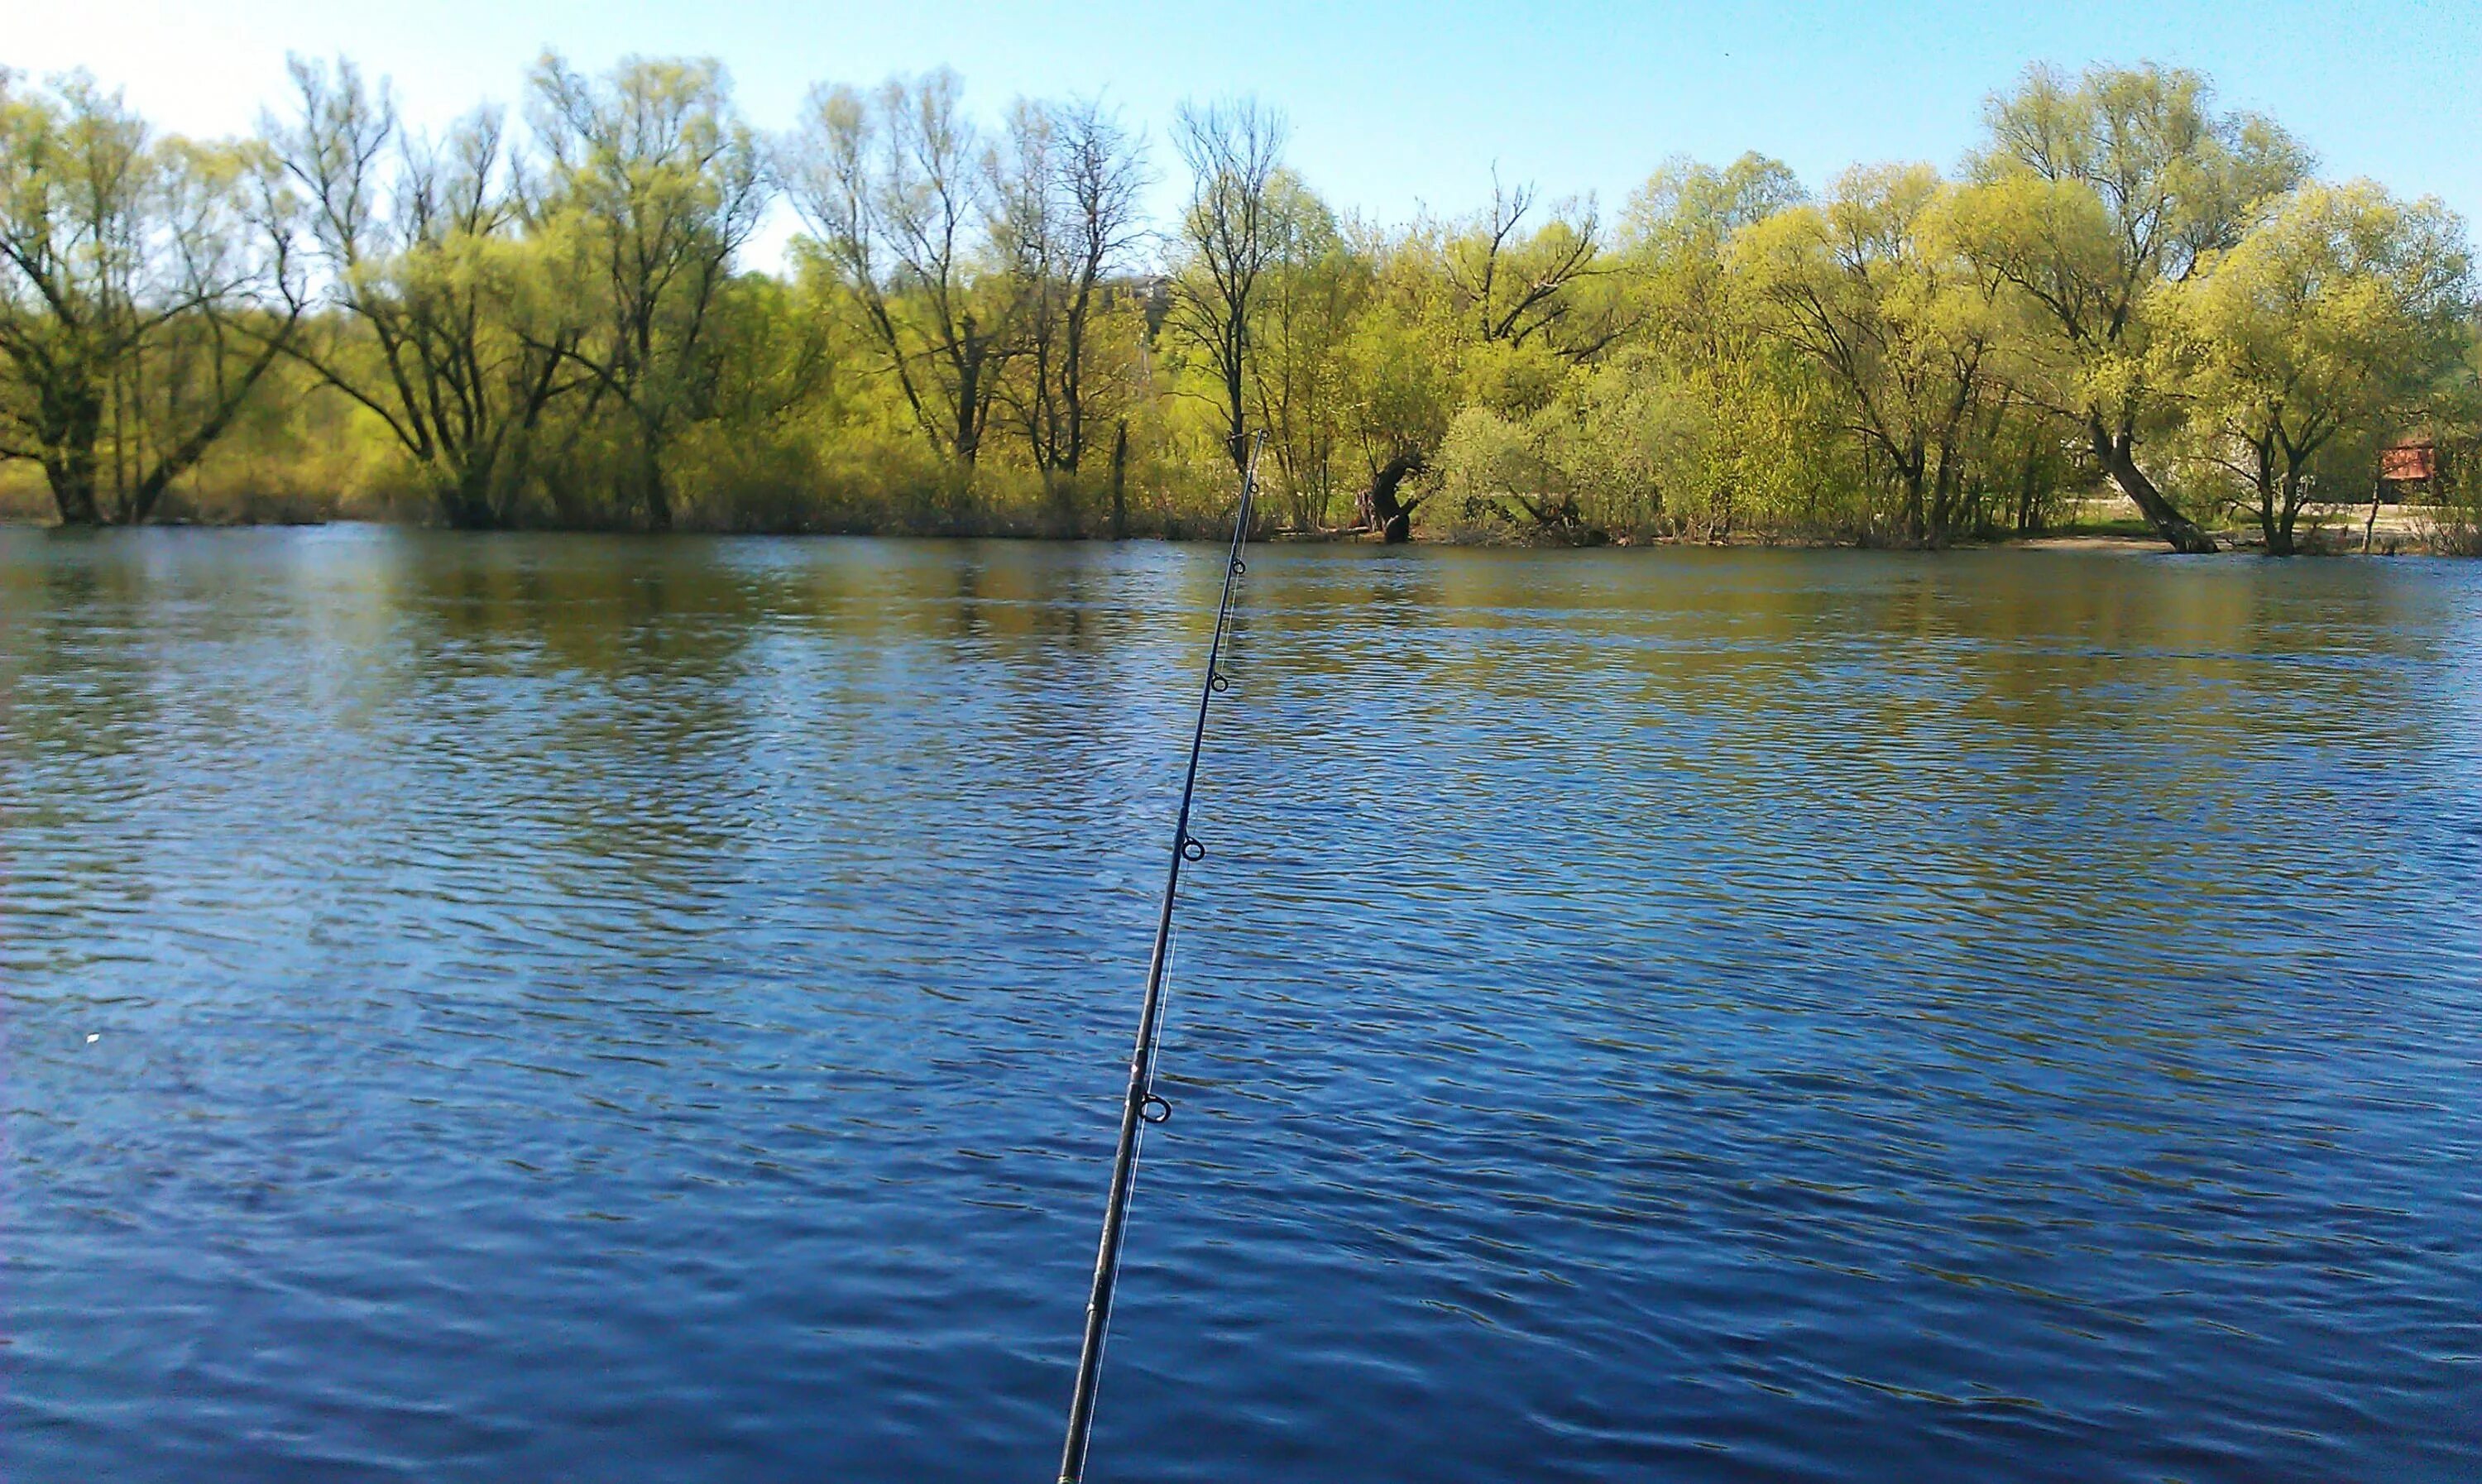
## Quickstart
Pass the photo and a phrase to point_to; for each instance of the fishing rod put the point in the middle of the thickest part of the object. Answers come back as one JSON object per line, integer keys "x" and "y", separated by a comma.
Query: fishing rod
{"x": 1143, "y": 1107}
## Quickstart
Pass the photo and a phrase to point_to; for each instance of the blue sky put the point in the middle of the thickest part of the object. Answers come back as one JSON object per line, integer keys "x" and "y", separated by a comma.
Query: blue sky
{"x": 1394, "y": 106}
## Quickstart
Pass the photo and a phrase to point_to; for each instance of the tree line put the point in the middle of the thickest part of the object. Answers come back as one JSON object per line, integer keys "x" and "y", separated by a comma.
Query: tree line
{"x": 547, "y": 318}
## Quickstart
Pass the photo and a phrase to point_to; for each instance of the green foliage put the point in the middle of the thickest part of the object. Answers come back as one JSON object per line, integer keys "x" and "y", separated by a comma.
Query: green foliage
{"x": 2315, "y": 336}
{"x": 2092, "y": 198}
{"x": 548, "y": 320}
{"x": 146, "y": 291}
{"x": 1871, "y": 288}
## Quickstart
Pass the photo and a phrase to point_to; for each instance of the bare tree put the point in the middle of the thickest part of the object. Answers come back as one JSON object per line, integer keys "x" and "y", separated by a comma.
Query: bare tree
{"x": 895, "y": 191}
{"x": 1520, "y": 284}
{"x": 1066, "y": 189}
{"x": 1233, "y": 151}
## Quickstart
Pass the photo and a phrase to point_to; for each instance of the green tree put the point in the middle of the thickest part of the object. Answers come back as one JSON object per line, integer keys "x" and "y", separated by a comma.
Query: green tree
{"x": 1866, "y": 284}
{"x": 2333, "y": 319}
{"x": 662, "y": 184}
{"x": 445, "y": 325}
{"x": 147, "y": 285}
{"x": 1677, "y": 248}
{"x": 2090, "y": 197}
{"x": 1402, "y": 373}
{"x": 1750, "y": 442}
{"x": 1315, "y": 288}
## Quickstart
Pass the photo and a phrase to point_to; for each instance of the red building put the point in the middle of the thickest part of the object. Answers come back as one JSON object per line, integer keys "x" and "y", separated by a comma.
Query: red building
{"x": 2404, "y": 468}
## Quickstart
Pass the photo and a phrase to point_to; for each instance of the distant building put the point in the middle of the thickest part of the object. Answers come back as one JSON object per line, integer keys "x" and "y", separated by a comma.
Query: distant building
{"x": 2410, "y": 467}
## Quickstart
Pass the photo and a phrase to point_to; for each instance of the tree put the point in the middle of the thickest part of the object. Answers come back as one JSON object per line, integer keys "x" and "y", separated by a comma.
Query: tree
{"x": 663, "y": 184}
{"x": 896, "y": 194}
{"x": 1516, "y": 285}
{"x": 2090, "y": 197}
{"x": 1748, "y": 432}
{"x": 2332, "y": 319}
{"x": 548, "y": 318}
{"x": 1676, "y": 244}
{"x": 449, "y": 335}
{"x": 1233, "y": 151}
{"x": 1300, "y": 377}
{"x": 1487, "y": 309}
{"x": 147, "y": 285}
{"x": 1868, "y": 285}
{"x": 1067, "y": 185}
{"x": 1400, "y": 376}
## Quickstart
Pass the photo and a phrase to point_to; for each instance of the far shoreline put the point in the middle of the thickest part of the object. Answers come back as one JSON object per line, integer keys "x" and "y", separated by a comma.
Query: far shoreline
{"x": 2398, "y": 538}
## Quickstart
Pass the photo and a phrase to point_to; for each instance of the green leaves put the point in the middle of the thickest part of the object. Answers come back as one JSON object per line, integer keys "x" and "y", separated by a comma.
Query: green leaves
{"x": 550, "y": 320}
{"x": 2333, "y": 320}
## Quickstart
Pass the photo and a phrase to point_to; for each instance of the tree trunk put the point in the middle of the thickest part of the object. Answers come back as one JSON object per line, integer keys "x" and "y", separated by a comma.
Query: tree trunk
{"x": 659, "y": 498}
{"x": 2279, "y": 533}
{"x": 1236, "y": 406}
{"x": 465, "y": 500}
{"x": 70, "y": 425}
{"x": 1120, "y": 481}
{"x": 73, "y": 493}
{"x": 1072, "y": 387}
{"x": 972, "y": 395}
{"x": 2117, "y": 454}
{"x": 2288, "y": 527}
{"x": 2026, "y": 495}
{"x": 1944, "y": 500}
{"x": 1394, "y": 518}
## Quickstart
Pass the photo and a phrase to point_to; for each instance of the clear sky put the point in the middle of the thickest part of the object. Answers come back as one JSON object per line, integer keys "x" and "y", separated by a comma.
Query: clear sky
{"x": 1395, "y": 106}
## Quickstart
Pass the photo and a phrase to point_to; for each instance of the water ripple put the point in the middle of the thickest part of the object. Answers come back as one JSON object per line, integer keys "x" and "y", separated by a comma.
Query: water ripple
{"x": 556, "y": 1008}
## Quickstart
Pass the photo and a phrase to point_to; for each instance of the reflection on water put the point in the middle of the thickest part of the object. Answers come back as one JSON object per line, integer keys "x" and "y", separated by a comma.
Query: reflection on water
{"x": 513, "y": 1009}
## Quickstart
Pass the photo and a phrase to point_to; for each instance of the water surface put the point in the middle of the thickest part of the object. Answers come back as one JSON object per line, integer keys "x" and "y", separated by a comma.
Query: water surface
{"x": 512, "y": 1009}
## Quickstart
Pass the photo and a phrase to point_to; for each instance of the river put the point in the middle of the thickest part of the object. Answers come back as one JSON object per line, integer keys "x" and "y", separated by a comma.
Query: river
{"x": 576, "y": 1008}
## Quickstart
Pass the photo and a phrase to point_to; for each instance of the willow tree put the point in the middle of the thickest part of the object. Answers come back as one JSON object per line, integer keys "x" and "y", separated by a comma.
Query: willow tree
{"x": 2090, "y": 197}
{"x": 660, "y": 183}
{"x": 1867, "y": 285}
{"x": 147, "y": 285}
{"x": 1402, "y": 375}
{"x": 1301, "y": 388}
{"x": 445, "y": 327}
{"x": 1675, "y": 250}
{"x": 1747, "y": 439}
{"x": 2328, "y": 323}
{"x": 1508, "y": 302}
{"x": 895, "y": 194}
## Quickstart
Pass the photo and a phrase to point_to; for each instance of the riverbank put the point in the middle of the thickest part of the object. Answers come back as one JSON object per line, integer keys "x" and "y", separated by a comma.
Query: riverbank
{"x": 2095, "y": 525}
